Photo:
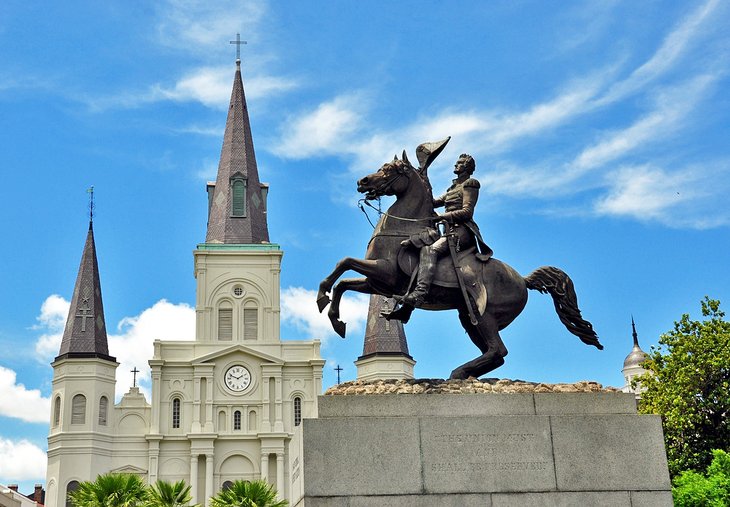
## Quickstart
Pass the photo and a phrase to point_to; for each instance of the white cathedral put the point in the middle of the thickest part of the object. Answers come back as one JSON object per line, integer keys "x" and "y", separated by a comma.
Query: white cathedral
{"x": 223, "y": 407}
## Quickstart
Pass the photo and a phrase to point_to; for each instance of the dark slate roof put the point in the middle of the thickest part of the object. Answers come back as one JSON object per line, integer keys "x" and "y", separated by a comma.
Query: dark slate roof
{"x": 237, "y": 157}
{"x": 637, "y": 356}
{"x": 384, "y": 337}
{"x": 85, "y": 333}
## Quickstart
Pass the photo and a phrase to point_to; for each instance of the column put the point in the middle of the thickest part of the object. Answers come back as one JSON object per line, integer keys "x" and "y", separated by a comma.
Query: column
{"x": 264, "y": 466}
{"x": 196, "y": 404}
{"x": 279, "y": 423}
{"x": 265, "y": 421}
{"x": 209, "y": 405}
{"x": 156, "y": 398}
{"x": 280, "y": 475}
{"x": 194, "y": 479}
{"x": 208, "y": 478}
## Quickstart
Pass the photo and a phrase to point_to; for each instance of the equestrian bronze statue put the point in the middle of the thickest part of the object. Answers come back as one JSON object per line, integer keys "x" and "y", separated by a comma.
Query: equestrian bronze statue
{"x": 408, "y": 258}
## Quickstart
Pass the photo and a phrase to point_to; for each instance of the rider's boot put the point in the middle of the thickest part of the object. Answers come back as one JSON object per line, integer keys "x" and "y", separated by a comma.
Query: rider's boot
{"x": 426, "y": 272}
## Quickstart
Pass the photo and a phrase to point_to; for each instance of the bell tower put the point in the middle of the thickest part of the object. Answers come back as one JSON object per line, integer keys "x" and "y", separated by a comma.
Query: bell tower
{"x": 82, "y": 399}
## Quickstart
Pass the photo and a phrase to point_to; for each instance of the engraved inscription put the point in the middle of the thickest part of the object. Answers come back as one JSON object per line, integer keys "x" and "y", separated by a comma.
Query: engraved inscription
{"x": 484, "y": 438}
{"x": 488, "y": 466}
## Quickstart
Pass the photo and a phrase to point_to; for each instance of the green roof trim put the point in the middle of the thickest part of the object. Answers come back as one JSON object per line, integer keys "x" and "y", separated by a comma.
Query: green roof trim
{"x": 263, "y": 247}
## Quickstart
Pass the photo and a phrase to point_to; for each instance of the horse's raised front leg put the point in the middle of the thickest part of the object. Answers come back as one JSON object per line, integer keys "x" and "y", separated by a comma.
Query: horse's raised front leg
{"x": 355, "y": 284}
{"x": 365, "y": 267}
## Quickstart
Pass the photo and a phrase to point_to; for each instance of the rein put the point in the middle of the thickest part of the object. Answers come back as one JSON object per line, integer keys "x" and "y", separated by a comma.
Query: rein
{"x": 381, "y": 213}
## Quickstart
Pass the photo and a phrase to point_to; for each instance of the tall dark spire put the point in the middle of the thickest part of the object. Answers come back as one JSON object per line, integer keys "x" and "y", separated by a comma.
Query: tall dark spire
{"x": 85, "y": 333}
{"x": 636, "y": 356}
{"x": 237, "y": 210}
{"x": 383, "y": 337}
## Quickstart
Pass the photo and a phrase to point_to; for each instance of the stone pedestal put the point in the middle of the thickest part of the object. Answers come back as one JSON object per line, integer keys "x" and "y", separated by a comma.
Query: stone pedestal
{"x": 482, "y": 450}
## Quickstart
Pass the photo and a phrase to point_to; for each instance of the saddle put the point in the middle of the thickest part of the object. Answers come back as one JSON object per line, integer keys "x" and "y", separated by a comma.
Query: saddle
{"x": 472, "y": 270}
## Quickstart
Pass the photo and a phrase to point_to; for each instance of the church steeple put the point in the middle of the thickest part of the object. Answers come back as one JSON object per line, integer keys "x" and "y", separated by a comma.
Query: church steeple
{"x": 85, "y": 332}
{"x": 385, "y": 351}
{"x": 237, "y": 207}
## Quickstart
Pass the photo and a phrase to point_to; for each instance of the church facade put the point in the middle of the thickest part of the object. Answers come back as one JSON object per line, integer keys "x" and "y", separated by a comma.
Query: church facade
{"x": 225, "y": 406}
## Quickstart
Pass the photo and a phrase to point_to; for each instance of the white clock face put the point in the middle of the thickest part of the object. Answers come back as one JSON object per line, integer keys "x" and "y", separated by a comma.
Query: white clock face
{"x": 237, "y": 378}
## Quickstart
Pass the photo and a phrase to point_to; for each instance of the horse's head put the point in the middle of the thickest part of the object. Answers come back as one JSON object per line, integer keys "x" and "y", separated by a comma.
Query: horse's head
{"x": 393, "y": 178}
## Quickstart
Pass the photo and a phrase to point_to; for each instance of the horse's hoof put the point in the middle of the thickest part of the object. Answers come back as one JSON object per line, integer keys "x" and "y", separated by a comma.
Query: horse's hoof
{"x": 339, "y": 327}
{"x": 322, "y": 302}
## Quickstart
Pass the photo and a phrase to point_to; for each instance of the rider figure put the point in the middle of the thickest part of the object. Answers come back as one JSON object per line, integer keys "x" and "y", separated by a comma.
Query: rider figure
{"x": 459, "y": 202}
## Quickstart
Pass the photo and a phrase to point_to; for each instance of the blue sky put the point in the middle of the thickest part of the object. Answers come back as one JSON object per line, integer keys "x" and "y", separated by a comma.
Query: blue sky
{"x": 600, "y": 131}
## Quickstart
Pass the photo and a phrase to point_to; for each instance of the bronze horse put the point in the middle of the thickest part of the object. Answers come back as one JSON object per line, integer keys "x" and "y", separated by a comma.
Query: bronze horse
{"x": 410, "y": 214}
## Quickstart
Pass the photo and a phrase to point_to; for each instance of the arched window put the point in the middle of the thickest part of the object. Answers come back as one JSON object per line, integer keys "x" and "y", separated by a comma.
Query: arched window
{"x": 297, "y": 411}
{"x": 238, "y": 196}
{"x": 103, "y": 410}
{"x": 78, "y": 409}
{"x": 227, "y": 485}
{"x": 252, "y": 420}
{"x": 176, "y": 413}
{"x": 56, "y": 411}
{"x": 237, "y": 420}
{"x": 70, "y": 488}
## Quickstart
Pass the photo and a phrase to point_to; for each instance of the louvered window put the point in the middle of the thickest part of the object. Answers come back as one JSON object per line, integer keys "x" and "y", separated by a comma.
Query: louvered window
{"x": 57, "y": 411}
{"x": 225, "y": 324}
{"x": 78, "y": 409}
{"x": 238, "y": 197}
{"x": 103, "y": 409}
{"x": 250, "y": 323}
{"x": 297, "y": 411}
{"x": 176, "y": 413}
{"x": 237, "y": 420}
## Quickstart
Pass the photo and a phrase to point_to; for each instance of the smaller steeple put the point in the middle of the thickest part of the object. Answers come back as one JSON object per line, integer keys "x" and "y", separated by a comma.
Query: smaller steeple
{"x": 385, "y": 352}
{"x": 85, "y": 332}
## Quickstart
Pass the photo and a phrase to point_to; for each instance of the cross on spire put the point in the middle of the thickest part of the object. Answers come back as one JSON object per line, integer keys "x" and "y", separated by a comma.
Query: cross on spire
{"x": 338, "y": 370}
{"x": 238, "y": 42}
{"x": 85, "y": 314}
{"x": 134, "y": 371}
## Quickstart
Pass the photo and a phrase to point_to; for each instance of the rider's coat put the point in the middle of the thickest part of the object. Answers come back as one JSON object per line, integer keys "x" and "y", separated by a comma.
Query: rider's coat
{"x": 459, "y": 201}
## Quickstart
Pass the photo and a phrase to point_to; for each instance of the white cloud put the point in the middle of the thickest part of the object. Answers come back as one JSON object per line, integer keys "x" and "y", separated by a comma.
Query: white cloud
{"x": 52, "y": 320}
{"x": 326, "y": 130}
{"x": 200, "y": 26}
{"x": 672, "y": 48}
{"x": 21, "y": 403}
{"x": 299, "y": 309}
{"x": 687, "y": 197}
{"x": 644, "y": 192}
{"x": 132, "y": 346}
{"x": 672, "y": 106}
{"x": 22, "y": 461}
{"x": 211, "y": 86}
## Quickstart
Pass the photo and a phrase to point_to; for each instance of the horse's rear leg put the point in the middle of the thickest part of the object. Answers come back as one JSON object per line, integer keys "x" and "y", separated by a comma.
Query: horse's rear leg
{"x": 485, "y": 335}
{"x": 365, "y": 267}
{"x": 354, "y": 284}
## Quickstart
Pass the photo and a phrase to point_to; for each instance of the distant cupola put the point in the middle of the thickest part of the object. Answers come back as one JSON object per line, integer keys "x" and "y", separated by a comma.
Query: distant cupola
{"x": 632, "y": 364}
{"x": 237, "y": 201}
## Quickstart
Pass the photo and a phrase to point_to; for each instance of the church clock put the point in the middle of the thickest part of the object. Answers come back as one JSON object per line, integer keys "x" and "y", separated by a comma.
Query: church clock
{"x": 237, "y": 378}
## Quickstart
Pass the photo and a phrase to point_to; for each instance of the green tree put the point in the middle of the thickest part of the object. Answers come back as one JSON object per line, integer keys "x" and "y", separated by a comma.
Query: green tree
{"x": 166, "y": 494}
{"x": 688, "y": 384}
{"x": 691, "y": 489}
{"x": 248, "y": 494}
{"x": 110, "y": 490}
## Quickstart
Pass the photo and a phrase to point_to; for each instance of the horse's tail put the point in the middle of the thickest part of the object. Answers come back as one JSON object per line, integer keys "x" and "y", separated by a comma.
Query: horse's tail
{"x": 559, "y": 285}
